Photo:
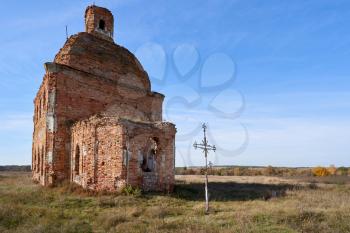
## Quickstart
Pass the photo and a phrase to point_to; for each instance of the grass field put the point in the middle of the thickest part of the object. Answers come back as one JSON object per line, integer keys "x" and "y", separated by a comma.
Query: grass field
{"x": 238, "y": 204}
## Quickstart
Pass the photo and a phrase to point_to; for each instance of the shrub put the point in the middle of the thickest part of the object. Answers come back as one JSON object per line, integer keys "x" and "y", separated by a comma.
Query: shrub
{"x": 320, "y": 171}
{"x": 332, "y": 170}
{"x": 236, "y": 171}
{"x": 342, "y": 171}
{"x": 269, "y": 171}
{"x": 202, "y": 171}
{"x": 131, "y": 191}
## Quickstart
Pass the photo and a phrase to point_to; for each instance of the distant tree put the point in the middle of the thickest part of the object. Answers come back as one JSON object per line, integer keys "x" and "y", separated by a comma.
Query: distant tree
{"x": 269, "y": 171}
{"x": 342, "y": 171}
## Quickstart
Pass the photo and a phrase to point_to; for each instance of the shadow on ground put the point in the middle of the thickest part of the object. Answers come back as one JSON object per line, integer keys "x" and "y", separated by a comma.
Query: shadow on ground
{"x": 231, "y": 191}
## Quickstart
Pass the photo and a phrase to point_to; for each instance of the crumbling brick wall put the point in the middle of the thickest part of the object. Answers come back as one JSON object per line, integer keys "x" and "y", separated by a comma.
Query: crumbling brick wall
{"x": 107, "y": 154}
{"x": 93, "y": 76}
{"x": 96, "y": 154}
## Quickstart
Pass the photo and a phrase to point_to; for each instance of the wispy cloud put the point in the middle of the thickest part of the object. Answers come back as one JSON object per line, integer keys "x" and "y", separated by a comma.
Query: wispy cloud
{"x": 16, "y": 122}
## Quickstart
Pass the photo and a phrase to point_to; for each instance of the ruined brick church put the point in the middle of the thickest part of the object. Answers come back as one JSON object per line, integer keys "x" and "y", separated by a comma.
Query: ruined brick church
{"x": 96, "y": 121}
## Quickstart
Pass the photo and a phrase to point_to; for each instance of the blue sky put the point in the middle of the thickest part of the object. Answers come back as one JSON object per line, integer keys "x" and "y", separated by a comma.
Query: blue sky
{"x": 271, "y": 78}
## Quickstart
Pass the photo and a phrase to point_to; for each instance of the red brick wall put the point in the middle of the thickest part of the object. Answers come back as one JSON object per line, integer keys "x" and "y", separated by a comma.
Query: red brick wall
{"x": 103, "y": 143}
{"x": 79, "y": 95}
{"x": 93, "y": 15}
{"x": 92, "y": 76}
{"x": 39, "y": 134}
{"x": 100, "y": 160}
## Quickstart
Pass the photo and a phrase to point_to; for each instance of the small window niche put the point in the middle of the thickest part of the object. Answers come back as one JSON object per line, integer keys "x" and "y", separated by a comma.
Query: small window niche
{"x": 102, "y": 24}
{"x": 77, "y": 160}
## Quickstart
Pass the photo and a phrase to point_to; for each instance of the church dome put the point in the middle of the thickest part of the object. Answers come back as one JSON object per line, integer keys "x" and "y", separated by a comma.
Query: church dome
{"x": 94, "y": 52}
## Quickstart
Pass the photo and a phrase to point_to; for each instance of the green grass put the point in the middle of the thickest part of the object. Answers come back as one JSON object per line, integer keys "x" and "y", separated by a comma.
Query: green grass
{"x": 27, "y": 207}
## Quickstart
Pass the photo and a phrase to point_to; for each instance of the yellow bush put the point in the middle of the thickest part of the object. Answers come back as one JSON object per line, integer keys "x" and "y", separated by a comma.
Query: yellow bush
{"x": 332, "y": 170}
{"x": 320, "y": 171}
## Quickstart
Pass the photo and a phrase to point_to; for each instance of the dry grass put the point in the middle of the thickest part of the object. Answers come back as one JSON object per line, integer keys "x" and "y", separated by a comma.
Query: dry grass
{"x": 254, "y": 204}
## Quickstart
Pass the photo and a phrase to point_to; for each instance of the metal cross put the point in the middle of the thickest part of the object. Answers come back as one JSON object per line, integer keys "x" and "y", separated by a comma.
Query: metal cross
{"x": 206, "y": 148}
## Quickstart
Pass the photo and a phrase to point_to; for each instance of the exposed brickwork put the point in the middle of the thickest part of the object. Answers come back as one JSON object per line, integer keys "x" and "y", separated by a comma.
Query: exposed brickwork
{"x": 99, "y": 21}
{"x": 94, "y": 108}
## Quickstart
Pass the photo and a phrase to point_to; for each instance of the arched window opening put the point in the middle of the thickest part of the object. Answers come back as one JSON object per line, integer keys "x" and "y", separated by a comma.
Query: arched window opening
{"x": 144, "y": 163}
{"x": 148, "y": 161}
{"x": 34, "y": 161}
{"x": 77, "y": 160}
{"x": 44, "y": 100}
{"x": 39, "y": 161}
{"x": 102, "y": 24}
{"x": 42, "y": 161}
{"x": 39, "y": 108}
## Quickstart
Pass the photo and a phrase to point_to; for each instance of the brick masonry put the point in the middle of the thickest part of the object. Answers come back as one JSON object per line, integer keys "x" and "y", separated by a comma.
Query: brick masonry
{"x": 96, "y": 121}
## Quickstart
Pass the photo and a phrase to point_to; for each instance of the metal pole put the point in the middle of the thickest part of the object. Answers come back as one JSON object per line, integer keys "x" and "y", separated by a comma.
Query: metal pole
{"x": 206, "y": 186}
{"x": 205, "y": 147}
{"x": 206, "y": 171}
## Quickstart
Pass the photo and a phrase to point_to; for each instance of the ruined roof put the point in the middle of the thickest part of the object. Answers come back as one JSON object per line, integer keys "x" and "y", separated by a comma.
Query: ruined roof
{"x": 89, "y": 53}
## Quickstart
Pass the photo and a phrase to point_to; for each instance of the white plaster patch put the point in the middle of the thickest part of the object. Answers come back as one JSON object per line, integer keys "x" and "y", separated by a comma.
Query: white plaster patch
{"x": 50, "y": 117}
{"x": 50, "y": 123}
{"x": 52, "y": 101}
{"x": 139, "y": 157}
{"x": 84, "y": 151}
{"x": 49, "y": 156}
{"x": 124, "y": 157}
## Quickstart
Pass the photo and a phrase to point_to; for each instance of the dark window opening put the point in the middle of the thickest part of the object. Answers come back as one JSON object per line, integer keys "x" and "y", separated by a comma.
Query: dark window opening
{"x": 101, "y": 24}
{"x": 156, "y": 139}
{"x": 148, "y": 161}
{"x": 39, "y": 108}
{"x": 37, "y": 158}
{"x": 44, "y": 100}
{"x": 42, "y": 161}
{"x": 33, "y": 161}
{"x": 77, "y": 160}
